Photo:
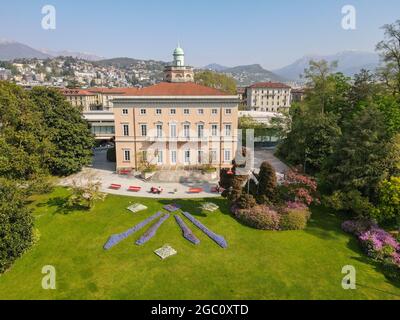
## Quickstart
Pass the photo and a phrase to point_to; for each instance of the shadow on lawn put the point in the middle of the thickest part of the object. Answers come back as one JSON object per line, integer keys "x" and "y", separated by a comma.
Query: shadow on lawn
{"x": 327, "y": 226}
{"x": 61, "y": 205}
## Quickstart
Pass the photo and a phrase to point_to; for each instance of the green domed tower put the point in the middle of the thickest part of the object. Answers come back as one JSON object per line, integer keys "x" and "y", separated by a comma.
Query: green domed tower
{"x": 178, "y": 72}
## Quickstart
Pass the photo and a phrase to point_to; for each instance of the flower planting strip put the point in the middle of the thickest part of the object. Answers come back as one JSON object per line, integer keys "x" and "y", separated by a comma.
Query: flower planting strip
{"x": 187, "y": 233}
{"x": 152, "y": 231}
{"x": 172, "y": 207}
{"x": 220, "y": 240}
{"x": 117, "y": 238}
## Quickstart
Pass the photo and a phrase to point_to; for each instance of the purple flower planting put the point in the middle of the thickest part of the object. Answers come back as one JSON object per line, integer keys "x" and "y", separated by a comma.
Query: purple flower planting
{"x": 217, "y": 238}
{"x": 187, "y": 233}
{"x": 379, "y": 239}
{"x": 172, "y": 207}
{"x": 117, "y": 238}
{"x": 152, "y": 231}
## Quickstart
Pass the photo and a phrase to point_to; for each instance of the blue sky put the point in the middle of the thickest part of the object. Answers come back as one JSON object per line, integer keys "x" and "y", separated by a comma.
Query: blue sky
{"x": 230, "y": 32}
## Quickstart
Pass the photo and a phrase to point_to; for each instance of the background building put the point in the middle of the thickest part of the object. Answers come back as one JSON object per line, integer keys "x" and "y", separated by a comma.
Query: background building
{"x": 268, "y": 97}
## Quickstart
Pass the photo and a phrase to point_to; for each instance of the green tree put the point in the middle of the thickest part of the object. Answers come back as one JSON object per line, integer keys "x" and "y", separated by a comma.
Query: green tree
{"x": 24, "y": 144}
{"x": 216, "y": 80}
{"x": 311, "y": 140}
{"x": 68, "y": 132}
{"x": 362, "y": 156}
{"x": 16, "y": 224}
{"x": 389, "y": 200}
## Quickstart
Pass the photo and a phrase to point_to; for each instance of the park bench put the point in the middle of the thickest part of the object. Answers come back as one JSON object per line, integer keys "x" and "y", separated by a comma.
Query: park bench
{"x": 115, "y": 186}
{"x": 134, "y": 189}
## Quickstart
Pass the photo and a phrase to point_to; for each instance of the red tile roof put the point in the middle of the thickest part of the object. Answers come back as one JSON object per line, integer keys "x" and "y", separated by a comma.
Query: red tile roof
{"x": 271, "y": 85}
{"x": 77, "y": 92}
{"x": 112, "y": 90}
{"x": 176, "y": 89}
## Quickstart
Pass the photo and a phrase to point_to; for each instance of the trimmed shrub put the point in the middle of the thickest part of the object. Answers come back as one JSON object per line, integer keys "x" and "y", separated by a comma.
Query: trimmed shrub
{"x": 260, "y": 217}
{"x": 294, "y": 219}
{"x": 267, "y": 181}
{"x": 246, "y": 201}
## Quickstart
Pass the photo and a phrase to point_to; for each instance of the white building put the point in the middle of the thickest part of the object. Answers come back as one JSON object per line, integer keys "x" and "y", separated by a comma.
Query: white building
{"x": 268, "y": 97}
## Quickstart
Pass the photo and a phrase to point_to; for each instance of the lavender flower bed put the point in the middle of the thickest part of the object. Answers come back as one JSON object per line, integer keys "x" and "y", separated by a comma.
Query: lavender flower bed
{"x": 152, "y": 231}
{"x": 117, "y": 238}
{"x": 217, "y": 238}
{"x": 172, "y": 207}
{"x": 377, "y": 243}
{"x": 187, "y": 233}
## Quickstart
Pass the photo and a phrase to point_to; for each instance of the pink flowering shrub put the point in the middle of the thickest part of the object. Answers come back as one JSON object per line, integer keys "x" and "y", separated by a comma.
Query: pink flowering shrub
{"x": 377, "y": 243}
{"x": 300, "y": 188}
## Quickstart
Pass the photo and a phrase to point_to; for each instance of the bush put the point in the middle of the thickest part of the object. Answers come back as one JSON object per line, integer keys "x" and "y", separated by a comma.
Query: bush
{"x": 294, "y": 219}
{"x": 246, "y": 201}
{"x": 267, "y": 181}
{"x": 16, "y": 225}
{"x": 111, "y": 155}
{"x": 260, "y": 217}
{"x": 358, "y": 226}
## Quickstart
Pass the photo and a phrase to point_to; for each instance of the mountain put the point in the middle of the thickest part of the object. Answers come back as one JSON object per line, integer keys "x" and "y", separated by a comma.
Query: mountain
{"x": 10, "y": 50}
{"x": 215, "y": 67}
{"x": 249, "y": 74}
{"x": 78, "y": 55}
{"x": 349, "y": 62}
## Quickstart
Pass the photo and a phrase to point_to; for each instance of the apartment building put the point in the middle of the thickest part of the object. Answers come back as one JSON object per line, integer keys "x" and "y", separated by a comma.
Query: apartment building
{"x": 97, "y": 107}
{"x": 175, "y": 123}
{"x": 268, "y": 97}
{"x": 83, "y": 99}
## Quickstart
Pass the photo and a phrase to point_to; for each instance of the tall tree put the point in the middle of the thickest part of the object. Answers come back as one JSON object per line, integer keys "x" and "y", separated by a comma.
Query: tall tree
{"x": 67, "y": 130}
{"x": 389, "y": 50}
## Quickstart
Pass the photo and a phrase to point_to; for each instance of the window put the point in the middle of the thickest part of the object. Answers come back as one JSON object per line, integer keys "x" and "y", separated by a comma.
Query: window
{"x": 200, "y": 156}
{"x": 214, "y": 130}
{"x": 200, "y": 131}
{"x": 186, "y": 111}
{"x": 173, "y": 111}
{"x": 143, "y": 111}
{"x": 173, "y": 156}
{"x": 186, "y": 130}
{"x": 187, "y": 156}
{"x": 227, "y": 155}
{"x": 228, "y": 111}
{"x": 228, "y": 130}
{"x": 143, "y": 129}
{"x": 159, "y": 157}
{"x": 125, "y": 129}
{"x": 200, "y": 111}
{"x": 144, "y": 155}
{"x": 159, "y": 131}
{"x": 125, "y": 112}
{"x": 127, "y": 155}
{"x": 214, "y": 111}
{"x": 172, "y": 129}
{"x": 158, "y": 111}
{"x": 213, "y": 155}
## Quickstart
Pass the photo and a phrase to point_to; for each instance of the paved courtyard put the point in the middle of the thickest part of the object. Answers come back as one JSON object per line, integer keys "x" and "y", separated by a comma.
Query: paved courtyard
{"x": 105, "y": 172}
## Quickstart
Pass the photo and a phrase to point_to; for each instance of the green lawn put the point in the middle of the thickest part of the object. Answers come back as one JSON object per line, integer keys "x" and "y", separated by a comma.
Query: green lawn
{"x": 257, "y": 265}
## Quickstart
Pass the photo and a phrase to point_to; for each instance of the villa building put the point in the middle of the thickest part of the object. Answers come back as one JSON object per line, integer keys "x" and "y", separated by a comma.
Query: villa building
{"x": 268, "y": 97}
{"x": 175, "y": 123}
